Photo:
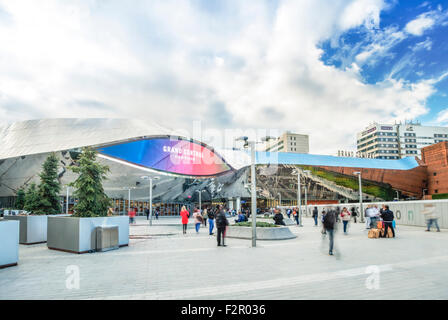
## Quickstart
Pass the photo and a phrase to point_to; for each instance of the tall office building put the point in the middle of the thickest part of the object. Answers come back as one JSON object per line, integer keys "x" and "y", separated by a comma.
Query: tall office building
{"x": 395, "y": 141}
{"x": 288, "y": 142}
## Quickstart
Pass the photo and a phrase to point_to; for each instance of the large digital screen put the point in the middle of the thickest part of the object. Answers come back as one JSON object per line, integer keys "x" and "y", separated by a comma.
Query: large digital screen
{"x": 169, "y": 155}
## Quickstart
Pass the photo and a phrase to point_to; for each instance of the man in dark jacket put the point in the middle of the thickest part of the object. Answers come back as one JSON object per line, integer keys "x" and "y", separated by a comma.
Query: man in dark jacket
{"x": 388, "y": 218}
{"x": 354, "y": 214}
{"x": 221, "y": 224}
{"x": 278, "y": 218}
{"x": 315, "y": 215}
{"x": 329, "y": 224}
{"x": 147, "y": 213}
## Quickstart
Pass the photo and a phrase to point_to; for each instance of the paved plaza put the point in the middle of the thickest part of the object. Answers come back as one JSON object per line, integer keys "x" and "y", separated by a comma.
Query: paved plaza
{"x": 162, "y": 263}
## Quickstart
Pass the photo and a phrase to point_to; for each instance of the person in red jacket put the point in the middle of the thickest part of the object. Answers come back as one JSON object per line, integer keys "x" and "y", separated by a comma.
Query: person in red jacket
{"x": 131, "y": 214}
{"x": 185, "y": 215}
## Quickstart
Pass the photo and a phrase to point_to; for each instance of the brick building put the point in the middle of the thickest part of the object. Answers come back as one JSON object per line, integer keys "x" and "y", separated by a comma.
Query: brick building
{"x": 435, "y": 158}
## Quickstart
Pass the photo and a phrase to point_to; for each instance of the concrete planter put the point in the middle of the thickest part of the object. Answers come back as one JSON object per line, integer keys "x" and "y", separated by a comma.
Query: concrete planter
{"x": 77, "y": 235}
{"x": 33, "y": 228}
{"x": 9, "y": 243}
{"x": 272, "y": 233}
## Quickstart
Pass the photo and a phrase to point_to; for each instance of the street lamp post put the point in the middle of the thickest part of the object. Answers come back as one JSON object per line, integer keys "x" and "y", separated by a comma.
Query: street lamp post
{"x": 361, "y": 211}
{"x": 253, "y": 194}
{"x": 150, "y": 195}
{"x": 251, "y": 145}
{"x": 306, "y": 194}
{"x": 66, "y": 201}
{"x": 129, "y": 199}
{"x": 299, "y": 195}
{"x": 200, "y": 198}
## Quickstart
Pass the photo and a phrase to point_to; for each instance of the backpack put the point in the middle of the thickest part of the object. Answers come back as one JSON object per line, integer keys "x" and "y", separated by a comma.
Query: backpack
{"x": 329, "y": 220}
{"x": 221, "y": 220}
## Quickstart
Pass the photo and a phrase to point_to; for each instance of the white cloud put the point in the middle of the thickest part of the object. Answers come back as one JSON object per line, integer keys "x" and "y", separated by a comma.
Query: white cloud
{"x": 442, "y": 117}
{"x": 418, "y": 26}
{"x": 173, "y": 62}
{"x": 424, "y": 45}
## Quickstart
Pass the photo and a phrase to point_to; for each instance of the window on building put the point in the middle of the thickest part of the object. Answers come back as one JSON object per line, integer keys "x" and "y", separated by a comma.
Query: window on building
{"x": 435, "y": 173}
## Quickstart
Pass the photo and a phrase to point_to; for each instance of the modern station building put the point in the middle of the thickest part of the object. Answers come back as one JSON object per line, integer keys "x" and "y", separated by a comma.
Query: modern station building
{"x": 136, "y": 150}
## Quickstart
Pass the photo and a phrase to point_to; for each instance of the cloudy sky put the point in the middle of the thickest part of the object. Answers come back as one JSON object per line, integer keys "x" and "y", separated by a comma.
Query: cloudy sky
{"x": 324, "y": 68}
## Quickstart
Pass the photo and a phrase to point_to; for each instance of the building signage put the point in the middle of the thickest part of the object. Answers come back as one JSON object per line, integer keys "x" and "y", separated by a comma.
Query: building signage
{"x": 386, "y": 128}
{"x": 170, "y": 155}
{"x": 368, "y": 131}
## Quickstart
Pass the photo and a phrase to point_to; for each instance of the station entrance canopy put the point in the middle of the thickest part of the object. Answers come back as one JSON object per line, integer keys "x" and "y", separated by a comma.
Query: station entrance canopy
{"x": 188, "y": 157}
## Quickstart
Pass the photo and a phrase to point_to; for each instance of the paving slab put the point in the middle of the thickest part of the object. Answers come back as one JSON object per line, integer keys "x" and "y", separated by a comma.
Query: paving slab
{"x": 163, "y": 263}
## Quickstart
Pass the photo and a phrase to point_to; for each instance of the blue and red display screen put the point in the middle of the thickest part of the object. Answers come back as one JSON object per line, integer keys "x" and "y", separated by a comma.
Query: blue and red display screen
{"x": 174, "y": 156}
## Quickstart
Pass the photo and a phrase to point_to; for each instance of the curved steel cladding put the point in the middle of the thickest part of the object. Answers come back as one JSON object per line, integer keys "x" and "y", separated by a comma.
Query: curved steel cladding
{"x": 183, "y": 157}
{"x": 332, "y": 161}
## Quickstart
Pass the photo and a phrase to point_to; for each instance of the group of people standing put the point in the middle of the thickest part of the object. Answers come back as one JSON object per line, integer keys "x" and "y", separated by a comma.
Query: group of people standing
{"x": 373, "y": 216}
{"x": 216, "y": 214}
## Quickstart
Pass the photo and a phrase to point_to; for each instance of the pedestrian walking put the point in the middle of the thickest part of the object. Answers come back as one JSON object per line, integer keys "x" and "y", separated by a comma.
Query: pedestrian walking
{"x": 295, "y": 215}
{"x": 322, "y": 218}
{"x": 315, "y": 215}
{"x": 221, "y": 224}
{"x": 278, "y": 218}
{"x": 157, "y": 214}
{"x": 131, "y": 214}
{"x": 288, "y": 213}
{"x": 205, "y": 216}
{"x": 431, "y": 217}
{"x": 354, "y": 214}
{"x": 197, "y": 219}
{"x": 338, "y": 214}
{"x": 329, "y": 225}
{"x": 147, "y": 213}
{"x": 367, "y": 215}
{"x": 211, "y": 221}
{"x": 185, "y": 215}
{"x": 345, "y": 216}
{"x": 388, "y": 219}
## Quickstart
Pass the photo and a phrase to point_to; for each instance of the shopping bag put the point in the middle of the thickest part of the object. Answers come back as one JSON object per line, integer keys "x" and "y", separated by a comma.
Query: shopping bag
{"x": 380, "y": 224}
{"x": 393, "y": 224}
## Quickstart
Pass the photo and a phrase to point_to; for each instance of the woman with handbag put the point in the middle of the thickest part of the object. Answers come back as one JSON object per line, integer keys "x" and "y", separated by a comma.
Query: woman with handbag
{"x": 197, "y": 219}
{"x": 185, "y": 215}
{"x": 345, "y": 215}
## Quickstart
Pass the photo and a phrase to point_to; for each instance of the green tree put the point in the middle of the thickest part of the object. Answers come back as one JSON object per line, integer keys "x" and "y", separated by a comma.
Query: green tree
{"x": 20, "y": 200}
{"x": 49, "y": 188}
{"x": 31, "y": 199}
{"x": 92, "y": 200}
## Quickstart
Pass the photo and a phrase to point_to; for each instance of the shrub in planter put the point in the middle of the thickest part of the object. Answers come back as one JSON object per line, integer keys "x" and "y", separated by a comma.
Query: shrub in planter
{"x": 92, "y": 200}
{"x": 20, "y": 201}
{"x": 78, "y": 233}
{"x": 49, "y": 188}
{"x": 31, "y": 198}
{"x": 40, "y": 201}
{"x": 258, "y": 224}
